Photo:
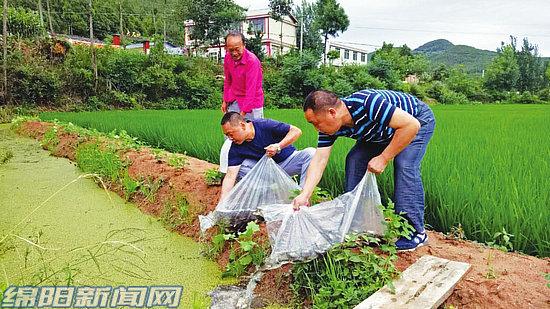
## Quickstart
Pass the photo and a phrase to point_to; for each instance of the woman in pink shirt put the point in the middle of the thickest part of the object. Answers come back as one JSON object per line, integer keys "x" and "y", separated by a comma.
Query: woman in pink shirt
{"x": 242, "y": 88}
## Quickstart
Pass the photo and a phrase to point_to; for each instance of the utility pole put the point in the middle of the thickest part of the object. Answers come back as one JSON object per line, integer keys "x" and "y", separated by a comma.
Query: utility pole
{"x": 302, "y": 31}
{"x": 164, "y": 21}
{"x": 41, "y": 16}
{"x": 121, "y": 28}
{"x": 49, "y": 17}
{"x": 5, "y": 43}
{"x": 94, "y": 64}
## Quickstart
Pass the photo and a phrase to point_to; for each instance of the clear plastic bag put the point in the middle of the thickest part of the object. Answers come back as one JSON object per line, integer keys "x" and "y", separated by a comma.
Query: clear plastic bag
{"x": 266, "y": 183}
{"x": 310, "y": 231}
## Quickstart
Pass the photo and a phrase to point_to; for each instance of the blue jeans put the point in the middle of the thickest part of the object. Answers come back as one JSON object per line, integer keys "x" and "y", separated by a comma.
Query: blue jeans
{"x": 409, "y": 191}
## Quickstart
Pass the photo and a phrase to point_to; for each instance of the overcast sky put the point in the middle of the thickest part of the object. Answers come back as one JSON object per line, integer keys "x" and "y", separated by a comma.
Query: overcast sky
{"x": 479, "y": 23}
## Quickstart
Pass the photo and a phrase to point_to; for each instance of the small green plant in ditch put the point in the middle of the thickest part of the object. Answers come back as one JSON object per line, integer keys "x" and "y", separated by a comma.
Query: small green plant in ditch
{"x": 213, "y": 177}
{"x": 5, "y": 155}
{"x": 318, "y": 196}
{"x": 177, "y": 160}
{"x": 176, "y": 212}
{"x": 244, "y": 251}
{"x": 502, "y": 241}
{"x": 129, "y": 185}
{"x": 50, "y": 139}
{"x": 547, "y": 277}
{"x": 150, "y": 186}
{"x": 217, "y": 243}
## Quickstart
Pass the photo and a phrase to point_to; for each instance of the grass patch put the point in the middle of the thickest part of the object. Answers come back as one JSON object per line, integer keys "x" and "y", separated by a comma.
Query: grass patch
{"x": 92, "y": 157}
{"x": 5, "y": 155}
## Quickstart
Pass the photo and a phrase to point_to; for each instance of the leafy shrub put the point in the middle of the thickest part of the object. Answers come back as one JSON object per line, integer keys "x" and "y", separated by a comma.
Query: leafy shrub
{"x": 244, "y": 251}
{"x": 525, "y": 97}
{"x": 33, "y": 83}
{"x": 23, "y": 22}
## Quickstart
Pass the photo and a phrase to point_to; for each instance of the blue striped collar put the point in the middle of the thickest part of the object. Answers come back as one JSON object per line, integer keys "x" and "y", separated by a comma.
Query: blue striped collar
{"x": 355, "y": 108}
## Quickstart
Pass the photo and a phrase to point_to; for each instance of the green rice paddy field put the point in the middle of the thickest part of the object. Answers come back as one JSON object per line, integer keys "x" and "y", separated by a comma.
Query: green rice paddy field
{"x": 487, "y": 167}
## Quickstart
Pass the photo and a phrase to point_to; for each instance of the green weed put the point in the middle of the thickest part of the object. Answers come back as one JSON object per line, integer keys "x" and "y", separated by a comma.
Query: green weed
{"x": 104, "y": 161}
{"x": 149, "y": 187}
{"x": 502, "y": 241}
{"x": 213, "y": 177}
{"x": 5, "y": 155}
{"x": 50, "y": 139}
{"x": 177, "y": 160}
{"x": 318, "y": 196}
{"x": 129, "y": 185}
{"x": 244, "y": 251}
{"x": 176, "y": 212}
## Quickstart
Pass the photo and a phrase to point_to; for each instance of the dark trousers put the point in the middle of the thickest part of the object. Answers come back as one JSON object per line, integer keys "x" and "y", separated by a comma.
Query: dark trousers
{"x": 409, "y": 191}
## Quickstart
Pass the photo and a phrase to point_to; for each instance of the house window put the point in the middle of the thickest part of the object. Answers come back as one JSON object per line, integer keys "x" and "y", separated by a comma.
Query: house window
{"x": 346, "y": 54}
{"x": 363, "y": 57}
{"x": 354, "y": 56}
{"x": 237, "y": 26}
{"x": 258, "y": 24}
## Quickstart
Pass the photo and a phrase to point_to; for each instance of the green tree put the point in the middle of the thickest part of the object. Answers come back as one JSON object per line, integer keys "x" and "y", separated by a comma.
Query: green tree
{"x": 138, "y": 16}
{"x": 280, "y": 9}
{"x": 23, "y": 22}
{"x": 311, "y": 38}
{"x": 333, "y": 55}
{"x": 531, "y": 67}
{"x": 212, "y": 19}
{"x": 503, "y": 73}
{"x": 467, "y": 84}
{"x": 330, "y": 19}
{"x": 254, "y": 43}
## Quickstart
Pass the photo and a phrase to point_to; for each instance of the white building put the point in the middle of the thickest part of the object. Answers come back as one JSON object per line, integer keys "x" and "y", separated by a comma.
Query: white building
{"x": 259, "y": 20}
{"x": 348, "y": 54}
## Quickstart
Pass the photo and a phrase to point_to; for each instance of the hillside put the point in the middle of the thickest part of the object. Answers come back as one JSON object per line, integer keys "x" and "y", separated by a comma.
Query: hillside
{"x": 443, "y": 51}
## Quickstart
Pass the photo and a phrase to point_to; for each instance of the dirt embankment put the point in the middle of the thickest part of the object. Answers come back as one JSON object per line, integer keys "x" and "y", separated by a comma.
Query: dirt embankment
{"x": 495, "y": 280}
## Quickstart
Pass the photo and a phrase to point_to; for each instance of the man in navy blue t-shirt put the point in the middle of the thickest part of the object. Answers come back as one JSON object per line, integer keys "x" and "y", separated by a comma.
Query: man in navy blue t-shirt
{"x": 254, "y": 139}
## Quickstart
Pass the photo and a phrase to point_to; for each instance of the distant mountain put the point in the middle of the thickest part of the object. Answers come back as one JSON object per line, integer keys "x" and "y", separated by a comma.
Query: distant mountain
{"x": 443, "y": 51}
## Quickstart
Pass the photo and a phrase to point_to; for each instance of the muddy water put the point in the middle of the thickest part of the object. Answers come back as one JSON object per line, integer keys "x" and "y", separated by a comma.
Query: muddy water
{"x": 84, "y": 235}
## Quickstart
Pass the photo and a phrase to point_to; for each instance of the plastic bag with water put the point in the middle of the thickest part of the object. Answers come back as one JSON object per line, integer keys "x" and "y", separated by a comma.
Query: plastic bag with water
{"x": 304, "y": 234}
{"x": 266, "y": 183}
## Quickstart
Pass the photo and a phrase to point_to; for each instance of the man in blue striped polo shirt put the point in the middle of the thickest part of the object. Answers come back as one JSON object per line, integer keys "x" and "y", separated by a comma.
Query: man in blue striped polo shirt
{"x": 388, "y": 125}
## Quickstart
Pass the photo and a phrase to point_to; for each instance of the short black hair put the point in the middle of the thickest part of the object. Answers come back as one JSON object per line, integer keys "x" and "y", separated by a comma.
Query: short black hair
{"x": 320, "y": 99}
{"x": 232, "y": 117}
{"x": 235, "y": 33}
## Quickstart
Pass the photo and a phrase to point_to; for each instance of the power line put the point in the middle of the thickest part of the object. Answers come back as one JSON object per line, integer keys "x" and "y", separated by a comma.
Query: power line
{"x": 445, "y": 31}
